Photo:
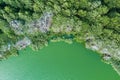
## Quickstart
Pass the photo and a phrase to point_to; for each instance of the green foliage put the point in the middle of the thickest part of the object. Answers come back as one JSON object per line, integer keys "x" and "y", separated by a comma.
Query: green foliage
{"x": 89, "y": 21}
{"x": 116, "y": 65}
{"x": 38, "y": 41}
{"x": 113, "y": 3}
{"x": 102, "y": 9}
{"x": 82, "y": 13}
{"x": 84, "y": 4}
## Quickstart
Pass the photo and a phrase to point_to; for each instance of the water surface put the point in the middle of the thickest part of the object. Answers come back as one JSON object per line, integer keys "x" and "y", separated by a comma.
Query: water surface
{"x": 58, "y": 61}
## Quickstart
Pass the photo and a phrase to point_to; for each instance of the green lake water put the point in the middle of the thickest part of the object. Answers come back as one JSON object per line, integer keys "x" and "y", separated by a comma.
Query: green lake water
{"x": 58, "y": 61}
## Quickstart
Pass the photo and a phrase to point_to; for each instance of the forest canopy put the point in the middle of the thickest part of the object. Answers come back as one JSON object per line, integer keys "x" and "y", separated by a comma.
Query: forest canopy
{"x": 35, "y": 23}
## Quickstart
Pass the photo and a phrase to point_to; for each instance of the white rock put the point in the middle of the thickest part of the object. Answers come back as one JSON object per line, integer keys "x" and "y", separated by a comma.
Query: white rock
{"x": 23, "y": 43}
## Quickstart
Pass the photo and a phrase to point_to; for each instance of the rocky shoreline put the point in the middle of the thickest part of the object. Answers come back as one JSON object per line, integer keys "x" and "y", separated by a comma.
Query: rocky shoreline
{"x": 96, "y": 23}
